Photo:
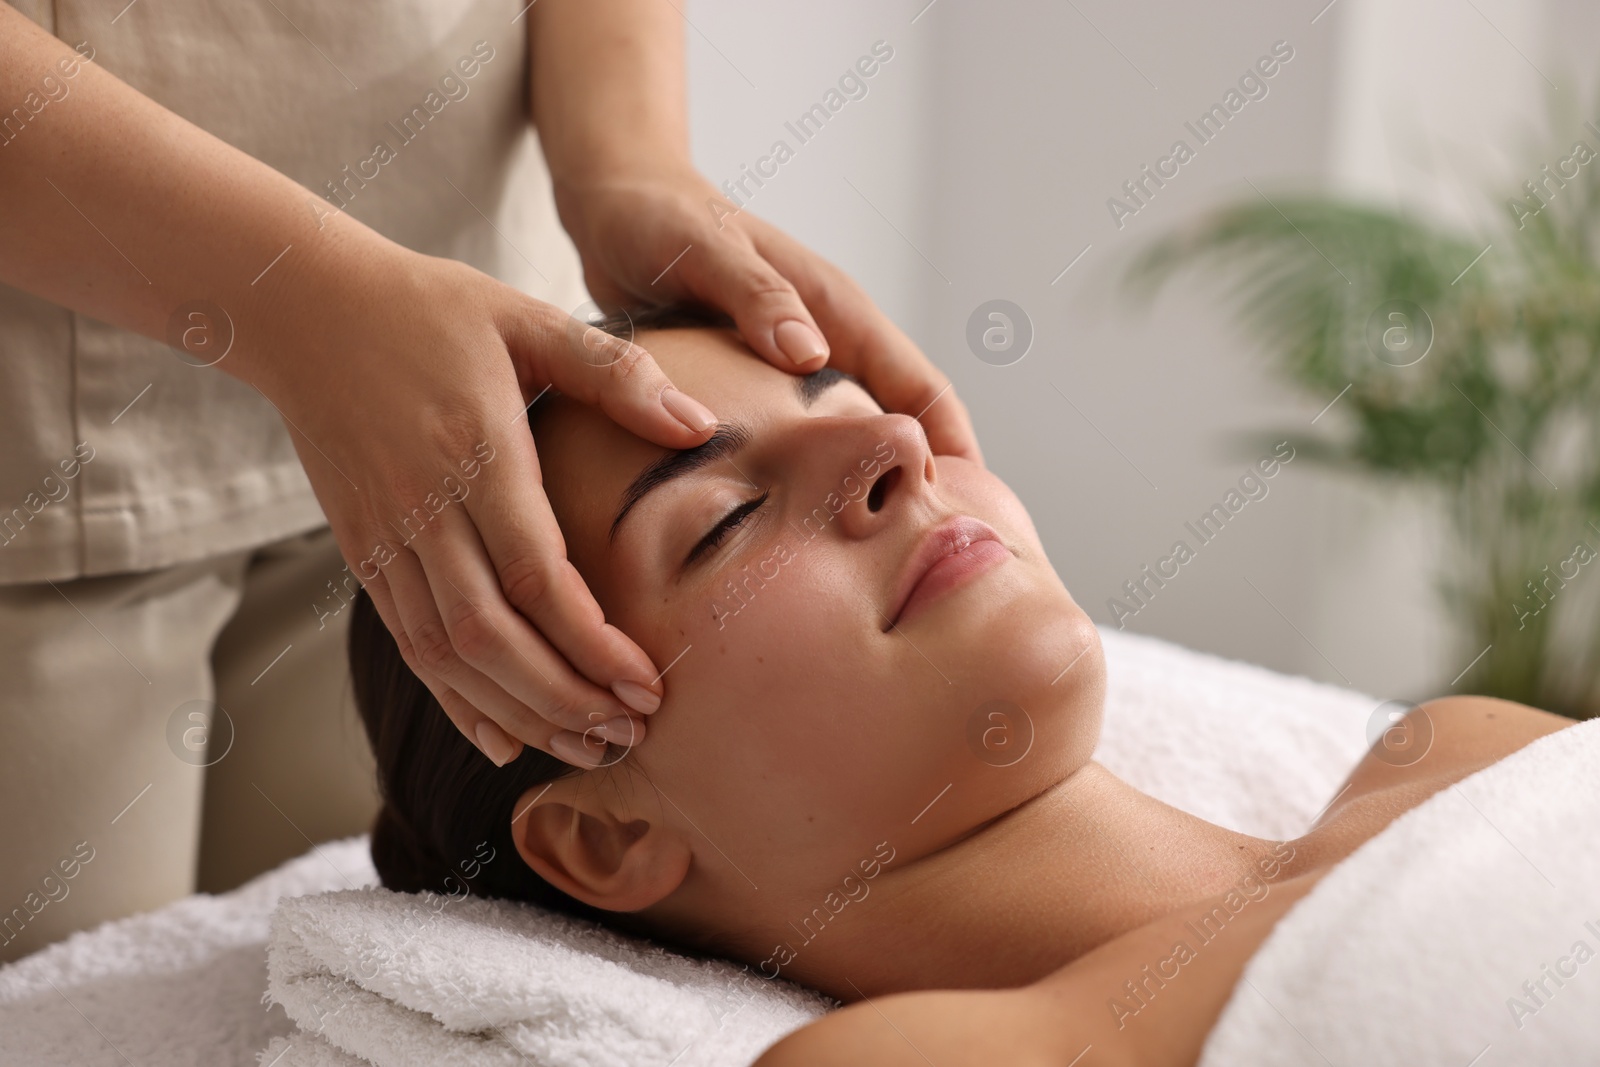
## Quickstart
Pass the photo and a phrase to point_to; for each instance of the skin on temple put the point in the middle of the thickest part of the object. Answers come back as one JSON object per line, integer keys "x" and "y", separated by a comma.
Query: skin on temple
{"x": 813, "y": 797}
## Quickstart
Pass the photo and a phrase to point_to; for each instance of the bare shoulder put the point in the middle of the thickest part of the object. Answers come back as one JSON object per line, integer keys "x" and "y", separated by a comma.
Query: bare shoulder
{"x": 1488, "y": 727}
{"x": 1434, "y": 745}
{"x": 952, "y": 1028}
{"x": 1450, "y": 738}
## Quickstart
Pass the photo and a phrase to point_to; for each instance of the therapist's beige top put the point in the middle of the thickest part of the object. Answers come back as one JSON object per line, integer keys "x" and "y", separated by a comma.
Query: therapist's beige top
{"x": 117, "y": 455}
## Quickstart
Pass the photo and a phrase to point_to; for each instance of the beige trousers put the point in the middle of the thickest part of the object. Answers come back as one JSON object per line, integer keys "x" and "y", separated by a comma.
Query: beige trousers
{"x": 171, "y": 731}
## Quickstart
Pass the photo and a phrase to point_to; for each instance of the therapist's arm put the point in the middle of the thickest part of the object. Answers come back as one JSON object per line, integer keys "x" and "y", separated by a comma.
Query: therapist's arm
{"x": 399, "y": 374}
{"x": 608, "y": 98}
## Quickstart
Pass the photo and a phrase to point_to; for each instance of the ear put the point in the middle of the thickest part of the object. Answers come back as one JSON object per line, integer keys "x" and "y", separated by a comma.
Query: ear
{"x": 595, "y": 847}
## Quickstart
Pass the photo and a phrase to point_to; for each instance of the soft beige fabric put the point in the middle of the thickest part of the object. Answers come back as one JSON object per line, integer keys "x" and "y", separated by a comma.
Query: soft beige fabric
{"x": 300, "y": 769}
{"x": 200, "y": 464}
{"x": 99, "y": 755}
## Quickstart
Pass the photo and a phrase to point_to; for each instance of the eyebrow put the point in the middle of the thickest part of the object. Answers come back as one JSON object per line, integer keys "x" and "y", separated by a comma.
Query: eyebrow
{"x": 727, "y": 441}
{"x": 810, "y": 386}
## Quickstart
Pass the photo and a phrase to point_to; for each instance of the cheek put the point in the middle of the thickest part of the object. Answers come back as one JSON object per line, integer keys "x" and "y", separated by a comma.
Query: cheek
{"x": 788, "y": 713}
{"x": 777, "y": 647}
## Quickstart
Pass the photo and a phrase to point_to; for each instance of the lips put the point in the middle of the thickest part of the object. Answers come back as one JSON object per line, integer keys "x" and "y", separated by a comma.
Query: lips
{"x": 946, "y": 558}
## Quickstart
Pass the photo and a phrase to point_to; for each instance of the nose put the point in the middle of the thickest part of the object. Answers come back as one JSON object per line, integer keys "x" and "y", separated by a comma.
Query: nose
{"x": 887, "y": 468}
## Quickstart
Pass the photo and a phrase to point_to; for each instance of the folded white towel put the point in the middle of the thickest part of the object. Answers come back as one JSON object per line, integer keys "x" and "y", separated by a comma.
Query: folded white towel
{"x": 180, "y": 986}
{"x": 1467, "y": 932}
{"x": 400, "y": 979}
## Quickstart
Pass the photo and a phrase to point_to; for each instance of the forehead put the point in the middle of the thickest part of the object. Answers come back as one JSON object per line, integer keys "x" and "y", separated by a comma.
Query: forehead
{"x": 712, "y": 365}
{"x": 587, "y": 460}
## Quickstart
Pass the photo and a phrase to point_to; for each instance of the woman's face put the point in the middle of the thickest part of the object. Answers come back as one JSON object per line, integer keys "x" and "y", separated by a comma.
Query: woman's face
{"x": 811, "y": 713}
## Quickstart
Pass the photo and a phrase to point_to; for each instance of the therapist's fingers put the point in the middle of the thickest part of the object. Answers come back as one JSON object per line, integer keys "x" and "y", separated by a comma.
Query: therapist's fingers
{"x": 587, "y": 749}
{"x": 519, "y": 561}
{"x": 446, "y": 656}
{"x": 866, "y": 343}
{"x": 496, "y": 605}
{"x": 579, "y": 749}
{"x": 725, "y": 270}
{"x": 480, "y": 709}
{"x": 494, "y": 743}
{"x": 595, "y": 367}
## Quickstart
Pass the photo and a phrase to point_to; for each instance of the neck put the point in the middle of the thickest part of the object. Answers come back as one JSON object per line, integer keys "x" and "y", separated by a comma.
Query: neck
{"x": 1082, "y": 863}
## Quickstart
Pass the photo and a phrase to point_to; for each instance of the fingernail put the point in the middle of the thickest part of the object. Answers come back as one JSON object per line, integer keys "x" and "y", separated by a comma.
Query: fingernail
{"x": 688, "y": 410}
{"x": 799, "y": 341}
{"x": 637, "y": 697}
{"x": 494, "y": 743}
{"x": 623, "y": 730}
{"x": 570, "y": 747}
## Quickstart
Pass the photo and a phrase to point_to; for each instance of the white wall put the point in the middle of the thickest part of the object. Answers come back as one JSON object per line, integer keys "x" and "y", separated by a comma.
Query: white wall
{"x": 988, "y": 148}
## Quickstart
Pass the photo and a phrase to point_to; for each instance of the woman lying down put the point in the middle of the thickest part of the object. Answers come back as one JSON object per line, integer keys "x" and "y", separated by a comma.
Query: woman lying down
{"x": 849, "y": 621}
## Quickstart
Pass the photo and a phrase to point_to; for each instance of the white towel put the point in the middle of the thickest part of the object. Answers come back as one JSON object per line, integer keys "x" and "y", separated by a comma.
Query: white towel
{"x": 1416, "y": 948}
{"x": 404, "y": 978}
{"x": 180, "y": 986}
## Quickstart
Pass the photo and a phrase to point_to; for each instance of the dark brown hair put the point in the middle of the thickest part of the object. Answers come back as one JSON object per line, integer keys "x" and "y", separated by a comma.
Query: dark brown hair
{"x": 445, "y": 825}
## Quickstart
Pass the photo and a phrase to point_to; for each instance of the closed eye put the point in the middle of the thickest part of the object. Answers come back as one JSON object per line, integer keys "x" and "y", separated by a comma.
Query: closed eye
{"x": 726, "y": 525}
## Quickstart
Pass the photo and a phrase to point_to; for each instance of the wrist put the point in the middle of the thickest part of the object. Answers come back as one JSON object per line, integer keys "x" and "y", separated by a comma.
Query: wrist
{"x": 284, "y": 314}
{"x": 620, "y": 160}
{"x": 579, "y": 194}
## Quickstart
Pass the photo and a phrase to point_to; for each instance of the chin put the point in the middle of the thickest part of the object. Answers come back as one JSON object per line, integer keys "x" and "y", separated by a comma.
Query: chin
{"x": 1031, "y": 691}
{"x": 1065, "y": 683}
{"x": 1012, "y": 635}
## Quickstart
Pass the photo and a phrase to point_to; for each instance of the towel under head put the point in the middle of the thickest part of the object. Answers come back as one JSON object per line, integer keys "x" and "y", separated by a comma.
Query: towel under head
{"x": 401, "y": 978}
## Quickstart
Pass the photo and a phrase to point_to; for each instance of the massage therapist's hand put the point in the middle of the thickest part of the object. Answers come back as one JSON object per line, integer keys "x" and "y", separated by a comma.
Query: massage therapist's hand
{"x": 406, "y": 378}
{"x": 629, "y": 227}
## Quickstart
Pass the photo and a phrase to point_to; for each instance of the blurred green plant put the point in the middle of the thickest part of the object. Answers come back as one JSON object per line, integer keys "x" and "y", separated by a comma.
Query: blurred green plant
{"x": 1470, "y": 376}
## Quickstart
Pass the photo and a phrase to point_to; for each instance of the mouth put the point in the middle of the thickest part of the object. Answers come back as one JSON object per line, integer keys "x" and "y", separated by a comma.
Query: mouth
{"x": 947, "y": 557}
